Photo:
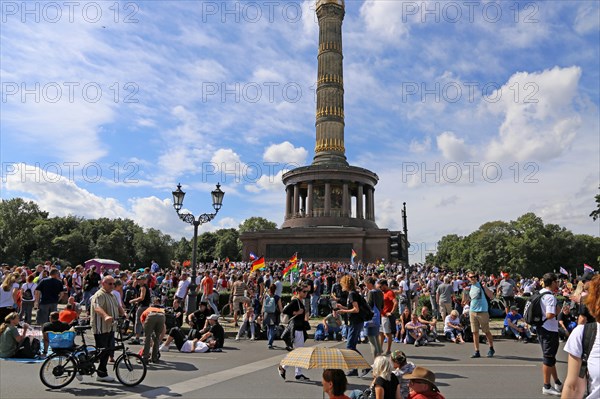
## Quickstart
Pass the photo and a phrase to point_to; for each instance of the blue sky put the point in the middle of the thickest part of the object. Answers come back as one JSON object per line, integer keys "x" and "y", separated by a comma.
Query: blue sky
{"x": 468, "y": 111}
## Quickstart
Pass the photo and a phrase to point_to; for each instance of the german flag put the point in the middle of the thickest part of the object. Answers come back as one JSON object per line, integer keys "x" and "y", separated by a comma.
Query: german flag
{"x": 258, "y": 264}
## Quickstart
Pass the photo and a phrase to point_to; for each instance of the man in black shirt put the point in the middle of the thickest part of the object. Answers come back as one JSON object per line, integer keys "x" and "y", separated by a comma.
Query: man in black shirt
{"x": 47, "y": 295}
{"x": 54, "y": 325}
{"x": 197, "y": 319}
{"x": 213, "y": 335}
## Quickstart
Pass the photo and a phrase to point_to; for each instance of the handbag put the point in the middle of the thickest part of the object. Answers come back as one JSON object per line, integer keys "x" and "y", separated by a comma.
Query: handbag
{"x": 307, "y": 326}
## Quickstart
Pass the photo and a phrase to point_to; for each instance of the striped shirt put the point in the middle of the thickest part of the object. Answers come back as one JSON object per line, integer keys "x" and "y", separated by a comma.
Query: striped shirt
{"x": 108, "y": 302}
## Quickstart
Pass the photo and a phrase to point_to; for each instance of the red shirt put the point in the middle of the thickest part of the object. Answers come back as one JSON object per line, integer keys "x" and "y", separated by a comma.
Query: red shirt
{"x": 207, "y": 285}
{"x": 426, "y": 395}
{"x": 388, "y": 302}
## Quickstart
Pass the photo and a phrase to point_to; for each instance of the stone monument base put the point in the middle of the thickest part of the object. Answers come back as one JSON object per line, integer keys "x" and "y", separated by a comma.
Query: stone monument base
{"x": 318, "y": 243}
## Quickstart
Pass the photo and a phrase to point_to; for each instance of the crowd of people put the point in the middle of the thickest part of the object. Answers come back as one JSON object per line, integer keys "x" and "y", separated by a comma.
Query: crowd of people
{"x": 335, "y": 291}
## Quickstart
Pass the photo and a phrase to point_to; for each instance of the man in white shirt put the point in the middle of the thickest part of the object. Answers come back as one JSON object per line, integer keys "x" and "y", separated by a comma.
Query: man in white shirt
{"x": 548, "y": 335}
{"x": 182, "y": 286}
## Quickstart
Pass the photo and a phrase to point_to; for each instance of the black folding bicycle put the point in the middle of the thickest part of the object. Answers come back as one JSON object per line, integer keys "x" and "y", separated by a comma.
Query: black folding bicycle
{"x": 60, "y": 368}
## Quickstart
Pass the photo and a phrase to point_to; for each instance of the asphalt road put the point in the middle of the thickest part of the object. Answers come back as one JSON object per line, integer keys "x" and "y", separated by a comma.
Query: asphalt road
{"x": 247, "y": 369}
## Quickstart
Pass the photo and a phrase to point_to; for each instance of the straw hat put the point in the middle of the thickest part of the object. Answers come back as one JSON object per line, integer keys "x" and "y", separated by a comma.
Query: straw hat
{"x": 421, "y": 373}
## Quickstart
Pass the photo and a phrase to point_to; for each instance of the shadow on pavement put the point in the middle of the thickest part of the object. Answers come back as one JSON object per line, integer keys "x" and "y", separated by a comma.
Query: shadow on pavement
{"x": 92, "y": 389}
{"x": 171, "y": 365}
{"x": 441, "y": 359}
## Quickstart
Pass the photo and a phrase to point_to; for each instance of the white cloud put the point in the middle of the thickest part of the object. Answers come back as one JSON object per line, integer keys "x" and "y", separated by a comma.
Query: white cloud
{"x": 285, "y": 153}
{"x": 453, "y": 148}
{"x": 385, "y": 19}
{"x": 268, "y": 183}
{"x": 540, "y": 121}
{"x": 418, "y": 147}
{"x": 588, "y": 19}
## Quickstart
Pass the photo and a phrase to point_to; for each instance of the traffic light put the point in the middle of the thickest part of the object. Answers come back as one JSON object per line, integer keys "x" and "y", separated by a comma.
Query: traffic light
{"x": 398, "y": 247}
{"x": 395, "y": 246}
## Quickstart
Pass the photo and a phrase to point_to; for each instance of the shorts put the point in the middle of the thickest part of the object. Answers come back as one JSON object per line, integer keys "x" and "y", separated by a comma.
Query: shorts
{"x": 549, "y": 342}
{"x": 509, "y": 301}
{"x": 388, "y": 325}
{"x": 480, "y": 320}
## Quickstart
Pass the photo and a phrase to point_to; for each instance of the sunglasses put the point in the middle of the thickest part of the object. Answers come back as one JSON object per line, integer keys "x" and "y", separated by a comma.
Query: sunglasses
{"x": 306, "y": 292}
{"x": 473, "y": 276}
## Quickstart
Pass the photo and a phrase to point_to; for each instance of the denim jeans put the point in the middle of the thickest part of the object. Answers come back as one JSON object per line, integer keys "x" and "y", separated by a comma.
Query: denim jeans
{"x": 353, "y": 335}
{"x": 271, "y": 334}
{"x": 314, "y": 305}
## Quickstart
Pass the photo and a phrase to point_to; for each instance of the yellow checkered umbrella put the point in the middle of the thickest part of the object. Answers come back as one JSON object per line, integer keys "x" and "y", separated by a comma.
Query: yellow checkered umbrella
{"x": 316, "y": 357}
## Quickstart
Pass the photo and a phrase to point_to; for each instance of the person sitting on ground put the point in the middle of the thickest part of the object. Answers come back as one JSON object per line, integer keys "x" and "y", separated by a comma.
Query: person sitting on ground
{"x": 513, "y": 328}
{"x": 197, "y": 319}
{"x": 452, "y": 328}
{"x": 385, "y": 383}
{"x": 415, "y": 332}
{"x": 405, "y": 317}
{"x": 12, "y": 344}
{"x": 213, "y": 335}
{"x": 427, "y": 319}
{"x": 332, "y": 323}
{"x": 54, "y": 325}
{"x": 401, "y": 367}
{"x": 422, "y": 384}
{"x": 334, "y": 383}
{"x": 566, "y": 322}
{"x": 247, "y": 322}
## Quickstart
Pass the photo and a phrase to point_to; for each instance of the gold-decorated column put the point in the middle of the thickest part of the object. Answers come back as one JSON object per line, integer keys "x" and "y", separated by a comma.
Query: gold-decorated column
{"x": 330, "y": 85}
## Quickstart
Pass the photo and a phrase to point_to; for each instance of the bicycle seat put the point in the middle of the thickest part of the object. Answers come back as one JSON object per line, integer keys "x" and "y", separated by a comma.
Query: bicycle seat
{"x": 81, "y": 329}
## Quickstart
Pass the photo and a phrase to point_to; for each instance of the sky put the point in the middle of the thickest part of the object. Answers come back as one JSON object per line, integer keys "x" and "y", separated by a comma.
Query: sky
{"x": 468, "y": 111}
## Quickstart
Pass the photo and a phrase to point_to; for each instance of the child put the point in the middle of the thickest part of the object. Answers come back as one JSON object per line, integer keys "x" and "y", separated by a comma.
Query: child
{"x": 401, "y": 367}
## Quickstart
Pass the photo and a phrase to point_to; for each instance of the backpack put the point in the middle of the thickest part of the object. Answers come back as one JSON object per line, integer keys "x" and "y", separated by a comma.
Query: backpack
{"x": 589, "y": 337}
{"x": 364, "y": 310}
{"x": 320, "y": 332}
{"x": 270, "y": 305}
{"x": 27, "y": 294}
{"x": 533, "y": 314}
{"x": 29, "y": 349}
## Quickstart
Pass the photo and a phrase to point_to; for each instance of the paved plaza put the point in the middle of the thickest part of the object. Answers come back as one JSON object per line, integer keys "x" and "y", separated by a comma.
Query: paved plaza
{"x": 247, "y": 369}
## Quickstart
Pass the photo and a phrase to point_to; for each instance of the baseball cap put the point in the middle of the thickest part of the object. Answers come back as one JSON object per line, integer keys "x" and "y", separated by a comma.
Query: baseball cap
{"x": 213, "y": 317}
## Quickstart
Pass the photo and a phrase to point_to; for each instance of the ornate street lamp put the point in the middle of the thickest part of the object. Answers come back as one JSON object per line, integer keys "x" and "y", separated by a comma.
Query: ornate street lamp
{"x": 178, "y": 196}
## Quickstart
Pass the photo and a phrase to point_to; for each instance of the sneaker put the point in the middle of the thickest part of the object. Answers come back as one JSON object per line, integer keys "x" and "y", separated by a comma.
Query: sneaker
{"x": 558, "y": 387}
{"x": 237, "y": 338}
{"x": 387, "y": 353}
{"x": 550, "y": 391}
{"x": 302, "y": 377}
{"x": 425, "y": 343}
{"x": 163, "y": 348}
{"x": 106, "y": 378}
{"x": 271, "y": 347}
{"x": 365, "y": 372}
{"x": 476, "y": 354}
{"x": 417, "y": 344}
{"x": 281, "y": 372}
{"x": 491, "y": 352}
{"x": 352, "y": 373}
{"x": 79, "y": 377}
{"x": 135, "y": 341}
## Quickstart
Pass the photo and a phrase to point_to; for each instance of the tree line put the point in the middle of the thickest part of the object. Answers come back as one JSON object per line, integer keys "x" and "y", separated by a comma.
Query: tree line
{"x": 525, "y": 246}
{"x": 29, "y": 236}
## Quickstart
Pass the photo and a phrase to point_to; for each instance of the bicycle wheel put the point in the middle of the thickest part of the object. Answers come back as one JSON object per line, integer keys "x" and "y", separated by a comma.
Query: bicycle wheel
{"x": 58, "y": 371}
{"x": 226, "y": 311}
{"x": 130, "y": 369}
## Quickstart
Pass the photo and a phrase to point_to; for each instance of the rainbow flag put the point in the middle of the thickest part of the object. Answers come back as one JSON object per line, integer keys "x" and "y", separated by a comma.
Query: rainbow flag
{"x": 292, "y": 266}
{"x": 353, "y": 256}
{"x": 258, "y": 264}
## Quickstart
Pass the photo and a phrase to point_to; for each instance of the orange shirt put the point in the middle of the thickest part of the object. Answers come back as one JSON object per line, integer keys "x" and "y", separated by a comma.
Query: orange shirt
{"x": 151, "y": 309}
{"x": 207, "y": 285}
{"x": 67, "y": 316}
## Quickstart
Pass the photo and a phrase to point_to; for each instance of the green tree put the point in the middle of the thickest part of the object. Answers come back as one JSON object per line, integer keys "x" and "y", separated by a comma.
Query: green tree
{"x": 596, "y": 212}
{"x": 17, "y": 222}
{"x": 153, "y": 245}
{"x": 256, "y": 224}
{"x": 228, "y": 245}
{"x": 183, "y": 250}
{"x": 206, "y": 246}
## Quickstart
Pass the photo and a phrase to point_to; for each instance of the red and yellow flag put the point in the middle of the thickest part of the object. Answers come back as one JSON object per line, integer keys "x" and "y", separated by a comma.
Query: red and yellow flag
{"x": 258, "y": 264}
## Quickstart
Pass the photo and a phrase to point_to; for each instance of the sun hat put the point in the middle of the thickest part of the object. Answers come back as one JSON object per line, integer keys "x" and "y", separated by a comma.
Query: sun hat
{"x": 422, "y": 374}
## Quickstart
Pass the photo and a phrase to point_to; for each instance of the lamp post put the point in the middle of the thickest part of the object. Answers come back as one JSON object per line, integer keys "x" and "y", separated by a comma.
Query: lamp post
{"x": 217, "y": 198}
